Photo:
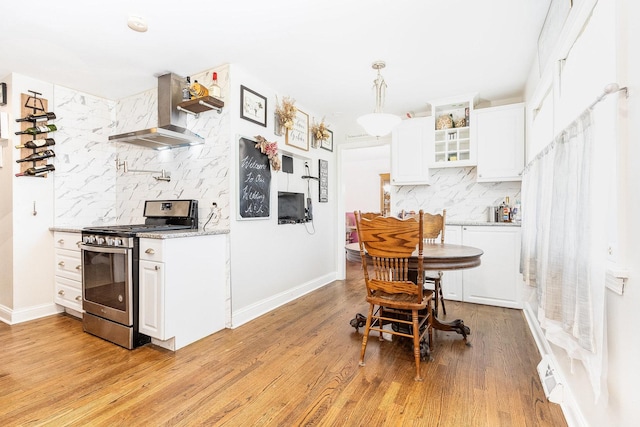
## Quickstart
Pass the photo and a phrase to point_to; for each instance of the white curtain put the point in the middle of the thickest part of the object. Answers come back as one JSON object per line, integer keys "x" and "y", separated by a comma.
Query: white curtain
{"x": 564, "y": 244}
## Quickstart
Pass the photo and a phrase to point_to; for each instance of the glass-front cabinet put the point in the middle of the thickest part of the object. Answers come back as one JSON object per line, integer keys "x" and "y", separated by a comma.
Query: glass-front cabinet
{"x": 452, "y": 146}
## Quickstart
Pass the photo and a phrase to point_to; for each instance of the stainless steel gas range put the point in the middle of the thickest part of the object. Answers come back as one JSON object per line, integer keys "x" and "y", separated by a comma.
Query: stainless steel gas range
{"x": 110, "y": 257}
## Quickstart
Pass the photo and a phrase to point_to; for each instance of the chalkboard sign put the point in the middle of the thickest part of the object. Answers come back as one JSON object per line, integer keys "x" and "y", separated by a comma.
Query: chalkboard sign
{"x": 254, "y": 181}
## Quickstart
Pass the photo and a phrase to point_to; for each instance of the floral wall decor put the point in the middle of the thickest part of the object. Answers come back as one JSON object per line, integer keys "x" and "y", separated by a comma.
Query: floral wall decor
{"x": 270, "y": 149}
{"x": 285, "y": 115}
{"x": 320, "y": 133}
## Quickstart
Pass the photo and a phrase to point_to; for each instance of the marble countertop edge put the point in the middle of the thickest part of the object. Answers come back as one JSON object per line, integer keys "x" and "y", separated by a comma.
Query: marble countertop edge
{"x": 170, "y": 234}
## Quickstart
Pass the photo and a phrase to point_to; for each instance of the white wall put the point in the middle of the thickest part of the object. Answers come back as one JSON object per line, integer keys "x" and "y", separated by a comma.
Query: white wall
{"x": 361, "y": 176}
{"x": 623, "y": 375}
{"x": 270, "y": 263}
{"x": 27, "y": 287}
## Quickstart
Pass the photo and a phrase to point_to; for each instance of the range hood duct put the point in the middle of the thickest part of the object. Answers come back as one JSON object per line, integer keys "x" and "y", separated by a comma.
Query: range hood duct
{"x": 171, "y": 131}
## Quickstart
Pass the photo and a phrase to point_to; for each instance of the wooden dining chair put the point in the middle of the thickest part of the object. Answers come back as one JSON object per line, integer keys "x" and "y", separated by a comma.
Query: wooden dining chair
{"x": 386, "y": 246}
{"x": 433, "y": 228}
{"x": 370, "y": 215}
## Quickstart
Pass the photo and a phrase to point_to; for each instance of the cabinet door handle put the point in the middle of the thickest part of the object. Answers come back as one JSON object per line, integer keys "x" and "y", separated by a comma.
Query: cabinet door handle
{"x": 61, "y": 292}
{"x": 61, "y": 263}
{"x": 157, "y": 267}
{"x": 79, "y": 298}
{"x": 150, "y": 251}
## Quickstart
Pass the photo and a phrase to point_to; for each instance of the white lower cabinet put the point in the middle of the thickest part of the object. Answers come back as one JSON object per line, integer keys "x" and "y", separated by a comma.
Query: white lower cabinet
{"x": 182, "y": 289}
{"x": 68, "y": 276}
{"x": 151, "y": 300}
{"x": 497, "y": 281}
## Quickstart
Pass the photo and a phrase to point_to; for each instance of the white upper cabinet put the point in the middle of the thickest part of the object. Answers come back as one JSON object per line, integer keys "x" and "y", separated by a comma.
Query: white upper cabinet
{"x": 410, "y": 142}
{"x": 452, "y": 144}
{"x": 499, "y": 135}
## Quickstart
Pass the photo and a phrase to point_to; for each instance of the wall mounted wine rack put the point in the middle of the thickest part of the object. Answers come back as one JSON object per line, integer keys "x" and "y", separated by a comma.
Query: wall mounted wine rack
{"x": 34, "y": 117}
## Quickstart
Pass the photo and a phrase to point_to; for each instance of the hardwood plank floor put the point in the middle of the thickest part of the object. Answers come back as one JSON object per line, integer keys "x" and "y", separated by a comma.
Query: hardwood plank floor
{"x": 297, "y": 365}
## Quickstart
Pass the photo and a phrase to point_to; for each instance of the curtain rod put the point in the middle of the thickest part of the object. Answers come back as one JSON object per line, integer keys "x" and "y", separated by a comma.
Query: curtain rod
{"x": 609, "y": 89}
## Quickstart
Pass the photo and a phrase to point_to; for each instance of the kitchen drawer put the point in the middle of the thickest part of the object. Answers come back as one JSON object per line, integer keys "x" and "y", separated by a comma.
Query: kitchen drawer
{"x": 68, "y": 293}
{"x": 66, "y": 240}
{"x": 68, "y": 264}
{"x": 152, "y": 249}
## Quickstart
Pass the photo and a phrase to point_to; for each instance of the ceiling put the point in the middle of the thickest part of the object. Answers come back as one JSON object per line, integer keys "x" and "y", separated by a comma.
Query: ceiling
{"x": 318, "y": 52}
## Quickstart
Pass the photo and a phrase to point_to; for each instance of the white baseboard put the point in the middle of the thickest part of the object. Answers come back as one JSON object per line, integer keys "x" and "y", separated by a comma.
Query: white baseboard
{"x": 11, "y": 316}
{"x": 246, "y": 314}
{"x": 570, "y": 409}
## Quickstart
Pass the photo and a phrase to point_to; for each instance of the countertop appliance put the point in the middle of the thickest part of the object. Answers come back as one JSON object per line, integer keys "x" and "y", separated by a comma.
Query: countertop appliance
{"x": 110, "y": 258}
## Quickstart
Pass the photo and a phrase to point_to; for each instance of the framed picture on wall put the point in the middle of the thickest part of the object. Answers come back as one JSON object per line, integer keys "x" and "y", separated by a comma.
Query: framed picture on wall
{"x": 299, "y": 136}
{"x": 323, "y": 179}
{"x": 253, "y": 106}
{"x": 327, "y": 144}
{"x": 3, "y": 93}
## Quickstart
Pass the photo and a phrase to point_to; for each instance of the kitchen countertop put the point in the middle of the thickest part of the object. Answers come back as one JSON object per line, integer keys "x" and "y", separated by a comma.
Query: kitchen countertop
{"x": 490, "y": 224}
{"x": 170, "y": 234}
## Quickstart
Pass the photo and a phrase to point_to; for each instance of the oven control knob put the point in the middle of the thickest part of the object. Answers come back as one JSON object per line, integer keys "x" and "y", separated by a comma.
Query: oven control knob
{"x": 117, "y": 242}
{"x": 100, "y": 240}
{"x": 109, "y": 241}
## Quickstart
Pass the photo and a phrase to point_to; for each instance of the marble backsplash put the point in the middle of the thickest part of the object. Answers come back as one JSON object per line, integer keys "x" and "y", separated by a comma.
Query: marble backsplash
{"x": 89, "y": 189}
{"x": 456, "y": 190}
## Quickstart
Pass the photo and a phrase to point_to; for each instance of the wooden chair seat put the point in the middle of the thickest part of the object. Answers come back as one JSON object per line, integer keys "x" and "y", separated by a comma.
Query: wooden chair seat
{"x": 386, "y": 244}
{"x": 400, "y": 301}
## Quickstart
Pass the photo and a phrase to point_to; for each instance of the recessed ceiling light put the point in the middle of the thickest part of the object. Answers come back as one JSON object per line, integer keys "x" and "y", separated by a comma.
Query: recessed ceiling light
{"x": 137, "y": 23}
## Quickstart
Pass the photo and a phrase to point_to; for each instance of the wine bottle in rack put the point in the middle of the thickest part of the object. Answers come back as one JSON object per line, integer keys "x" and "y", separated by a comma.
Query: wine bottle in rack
{"x": 37, "y": 170}
{"x": 40, "y": 117}
{"x": 37, "y": 143}
{"x": 38, "y": 130}
{"x": 41, "y": 155}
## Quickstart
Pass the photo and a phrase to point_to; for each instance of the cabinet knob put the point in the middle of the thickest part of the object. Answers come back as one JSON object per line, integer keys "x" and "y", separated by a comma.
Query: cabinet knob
{"x": 61, "y": 292}
{"x": 79, "y": 267}
{"x": 150, "y": 251}
{"x": 79, "y": 298}
{"x": 157, "y": 267}
{"x": 61, "y": 241}
{"x": 78, "y": 243}
{"x": 61, "y": 263}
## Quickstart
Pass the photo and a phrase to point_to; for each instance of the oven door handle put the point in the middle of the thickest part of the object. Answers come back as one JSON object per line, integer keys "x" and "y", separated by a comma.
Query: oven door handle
{"x": 103, "y": 249}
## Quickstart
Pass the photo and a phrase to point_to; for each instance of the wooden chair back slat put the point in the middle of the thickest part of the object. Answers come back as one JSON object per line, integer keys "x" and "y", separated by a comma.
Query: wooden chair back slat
{"x": 390, "y": 242}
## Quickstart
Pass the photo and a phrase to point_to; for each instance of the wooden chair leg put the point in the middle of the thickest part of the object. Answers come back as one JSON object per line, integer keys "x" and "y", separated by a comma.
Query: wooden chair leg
{"x": 416, "y": 343}
{"x": 435, "y": 298}
{"x": 430, "y": 326}
{"x": 367, "y": 328}
{"x": 439, "y": 295}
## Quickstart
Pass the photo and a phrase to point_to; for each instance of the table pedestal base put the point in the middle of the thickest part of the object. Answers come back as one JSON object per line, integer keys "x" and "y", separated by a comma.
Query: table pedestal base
{"x": 456, "y": 325}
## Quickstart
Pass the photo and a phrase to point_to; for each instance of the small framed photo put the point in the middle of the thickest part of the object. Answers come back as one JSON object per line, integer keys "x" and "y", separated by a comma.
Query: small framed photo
{"x": 323, "y": 179}
{"x": 3, "y": 93}
{"x": 299, "y": 136}
{"x": 327, "y": 144}
{"x": 253, "y": 106}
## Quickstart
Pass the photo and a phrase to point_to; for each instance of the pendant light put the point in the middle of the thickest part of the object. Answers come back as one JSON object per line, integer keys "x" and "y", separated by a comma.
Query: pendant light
{"x": 378, "y": 123}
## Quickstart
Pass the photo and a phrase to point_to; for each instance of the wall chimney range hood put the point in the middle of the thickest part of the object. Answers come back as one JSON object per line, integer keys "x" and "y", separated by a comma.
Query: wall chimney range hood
{"x": 171, "y": 131}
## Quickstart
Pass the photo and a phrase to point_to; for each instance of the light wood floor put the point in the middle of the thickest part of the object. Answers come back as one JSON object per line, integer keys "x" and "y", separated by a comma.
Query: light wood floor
{"x": 297, "y": 365}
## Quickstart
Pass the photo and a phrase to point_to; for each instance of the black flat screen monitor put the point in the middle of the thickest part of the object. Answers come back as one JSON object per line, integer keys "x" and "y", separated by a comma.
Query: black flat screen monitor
{"x": 290, "y": 207}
